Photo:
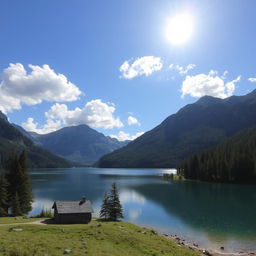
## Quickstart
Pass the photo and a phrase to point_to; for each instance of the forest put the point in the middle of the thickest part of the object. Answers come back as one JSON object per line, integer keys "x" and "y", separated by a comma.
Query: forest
{"x": 233, "y": 161}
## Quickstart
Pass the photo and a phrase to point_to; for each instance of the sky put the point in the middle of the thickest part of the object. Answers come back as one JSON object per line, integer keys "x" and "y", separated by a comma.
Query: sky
{"x": 120, "y": 67}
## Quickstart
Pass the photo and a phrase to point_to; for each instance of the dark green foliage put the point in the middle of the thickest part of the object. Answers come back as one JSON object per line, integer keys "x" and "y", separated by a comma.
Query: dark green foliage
{"x": 116, "y": 211}
{"x": 19, "y": 188}
{"x": 104, "y": 211}
{"x": 194, "y": 128}
{"x": 233, "y": 161}
{"x": 111, "y": 208}
{"x": 12, "y": 140}
{"x": 25, "y": 188}
{"x": 3, "y": 196}
{"x": 15, "y": 205}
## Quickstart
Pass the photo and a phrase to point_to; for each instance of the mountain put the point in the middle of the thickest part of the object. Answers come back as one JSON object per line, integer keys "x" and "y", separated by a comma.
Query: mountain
{"x": 232, "y": 161}
{"x": 80, "y": 144}
{"x": 192, "y": 129}
{"x": 11, "y": 139}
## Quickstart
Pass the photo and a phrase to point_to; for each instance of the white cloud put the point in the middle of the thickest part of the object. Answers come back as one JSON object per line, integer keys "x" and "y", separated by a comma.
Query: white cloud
{"x": 213, "y": 73}
{"x": 182, "y": 70}
{"x": 18, "y": 87}
{"x": 211, "y": 84}
{"x": 142, "y": 66}
{"x": 133, "y": 121}
{"x": 32, "y": 126}
{"x": 95, "y": 113}
{"x": 252, "y": 79}
{"x": 122, "y": 136}
{"x": 224, "y": 75}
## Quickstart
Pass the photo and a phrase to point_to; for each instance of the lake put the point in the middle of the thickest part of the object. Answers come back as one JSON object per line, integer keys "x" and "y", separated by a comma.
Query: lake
{"x": 209, "y": 214}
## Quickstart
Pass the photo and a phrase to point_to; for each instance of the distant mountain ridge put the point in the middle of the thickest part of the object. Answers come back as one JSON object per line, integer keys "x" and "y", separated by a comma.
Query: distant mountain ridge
{"x": 195, "y": 127}
{"x": 80, "y": 144}
{"x": 11, "y": 139}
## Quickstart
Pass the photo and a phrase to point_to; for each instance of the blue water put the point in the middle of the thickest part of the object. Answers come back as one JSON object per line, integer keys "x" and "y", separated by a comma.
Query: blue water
{"x": 209, "y": 214}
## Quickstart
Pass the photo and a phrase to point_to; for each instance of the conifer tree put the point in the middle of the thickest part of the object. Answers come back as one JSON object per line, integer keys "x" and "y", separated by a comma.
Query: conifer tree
{"x": 19, "y": 189}
{"x": 25, "y": 188}
{"x": 13, "y": 173}
{"x": 15, "y": 206}
{"x": 3, "y": 196}
{"x": 104, "y": 212}
{"x": 115, "y": 207}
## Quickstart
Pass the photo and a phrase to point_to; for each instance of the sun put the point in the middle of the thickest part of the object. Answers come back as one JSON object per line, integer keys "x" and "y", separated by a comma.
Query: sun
{"x": 179, "y": 28}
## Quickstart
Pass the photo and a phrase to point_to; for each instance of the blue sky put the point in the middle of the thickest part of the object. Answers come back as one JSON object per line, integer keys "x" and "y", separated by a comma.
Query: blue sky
{"x": 89, "y": 41}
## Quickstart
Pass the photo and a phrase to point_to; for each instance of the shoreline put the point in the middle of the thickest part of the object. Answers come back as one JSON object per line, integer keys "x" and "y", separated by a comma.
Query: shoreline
{"x": 178, "y": 240}
{"x": 210, "y": 252}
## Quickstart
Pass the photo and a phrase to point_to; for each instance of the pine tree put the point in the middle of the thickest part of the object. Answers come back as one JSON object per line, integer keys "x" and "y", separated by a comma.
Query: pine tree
{"x": 15, "y": 206}
{"x": 25, "y": 188}
{"x": 115, "y": 207}
{"x": 3, "y": 196}
{"x": 13, "y": 171}
{"x": 104, "y": 212}
{"x": 19, "y": 184}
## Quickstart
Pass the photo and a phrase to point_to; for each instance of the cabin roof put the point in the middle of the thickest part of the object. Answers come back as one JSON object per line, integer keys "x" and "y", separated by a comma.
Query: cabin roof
{"x": 63, "y": 207}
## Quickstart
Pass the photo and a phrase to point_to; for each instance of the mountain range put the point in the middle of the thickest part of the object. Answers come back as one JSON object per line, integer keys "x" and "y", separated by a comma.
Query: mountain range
{"x": 80, "y": 144}
{"x": 11, "y": 139}
{"x": 194, "y": 128}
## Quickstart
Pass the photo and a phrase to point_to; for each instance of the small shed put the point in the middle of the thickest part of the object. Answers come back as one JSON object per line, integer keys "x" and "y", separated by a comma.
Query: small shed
{"x": 72, "y": 212}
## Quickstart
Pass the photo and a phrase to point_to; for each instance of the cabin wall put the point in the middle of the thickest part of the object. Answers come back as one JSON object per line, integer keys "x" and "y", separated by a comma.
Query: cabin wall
{"x": 73, "y": 218}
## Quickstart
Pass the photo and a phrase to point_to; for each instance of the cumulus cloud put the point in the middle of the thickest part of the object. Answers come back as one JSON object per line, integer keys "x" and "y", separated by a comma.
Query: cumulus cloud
{"x": 18, "y": 87}
{"x": 132, "y": 121}
{"x": 182, "y": 70}
{"x": 208, "y": 84}
{"x": 95, "y": 113}
{"x": 142, "y": 66}
{"x": 252, "y": 79}
{"x": 122, "y": 136}
{"x": 50, "y": 126}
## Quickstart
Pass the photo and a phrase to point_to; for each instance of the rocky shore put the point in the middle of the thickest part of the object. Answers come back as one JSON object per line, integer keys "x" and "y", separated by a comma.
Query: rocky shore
{"x": 193, "y": 246}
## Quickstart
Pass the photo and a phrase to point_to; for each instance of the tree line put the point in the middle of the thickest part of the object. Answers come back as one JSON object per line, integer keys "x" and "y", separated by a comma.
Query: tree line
{"x": 233, "y": 161}
{"x": 15, "y": 187}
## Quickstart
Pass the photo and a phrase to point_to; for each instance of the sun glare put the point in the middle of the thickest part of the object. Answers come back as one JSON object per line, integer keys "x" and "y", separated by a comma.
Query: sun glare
{"x": 179, "y": 28}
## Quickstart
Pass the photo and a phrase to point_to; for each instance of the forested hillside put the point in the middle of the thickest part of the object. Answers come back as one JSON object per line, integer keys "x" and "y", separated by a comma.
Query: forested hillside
{"x": 12, "y": 140}
{"x": 194, "y": 128}
{"x": 233, "y": 161}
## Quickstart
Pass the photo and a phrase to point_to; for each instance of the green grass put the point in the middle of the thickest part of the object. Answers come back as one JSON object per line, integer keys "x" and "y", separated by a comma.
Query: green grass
{"x": 21, "y": 219}
{"x": 94, "y": 239}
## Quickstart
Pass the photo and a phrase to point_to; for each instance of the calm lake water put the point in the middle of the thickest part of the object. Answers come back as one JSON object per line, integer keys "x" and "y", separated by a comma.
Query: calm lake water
{"x": 209, "y": 214}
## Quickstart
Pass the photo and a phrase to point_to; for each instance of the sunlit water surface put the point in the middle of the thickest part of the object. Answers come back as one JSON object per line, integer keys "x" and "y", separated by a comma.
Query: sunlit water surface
{"x": 211, "y": 215}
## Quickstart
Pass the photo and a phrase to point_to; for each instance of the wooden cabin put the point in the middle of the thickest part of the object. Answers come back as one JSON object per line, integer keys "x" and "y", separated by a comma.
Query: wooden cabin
{"x": 72, "y": 212}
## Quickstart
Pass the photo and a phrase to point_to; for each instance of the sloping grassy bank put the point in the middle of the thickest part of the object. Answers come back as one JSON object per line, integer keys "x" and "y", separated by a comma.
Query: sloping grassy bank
{"x": 95, "y": 239}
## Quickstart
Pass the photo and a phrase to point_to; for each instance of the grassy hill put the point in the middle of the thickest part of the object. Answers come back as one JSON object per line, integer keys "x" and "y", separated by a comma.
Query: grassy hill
{"x": 94, "y": 239}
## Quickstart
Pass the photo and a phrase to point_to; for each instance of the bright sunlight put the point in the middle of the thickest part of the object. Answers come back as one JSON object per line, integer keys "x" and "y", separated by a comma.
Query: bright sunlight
{"x": 179, "y": 28}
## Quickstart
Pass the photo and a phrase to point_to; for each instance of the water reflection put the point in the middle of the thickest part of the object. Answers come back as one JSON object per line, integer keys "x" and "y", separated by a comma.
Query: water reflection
{"x": 131, "y": 196}
{"x": 210, "y": 214}
{"x": 211, "y": 207}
